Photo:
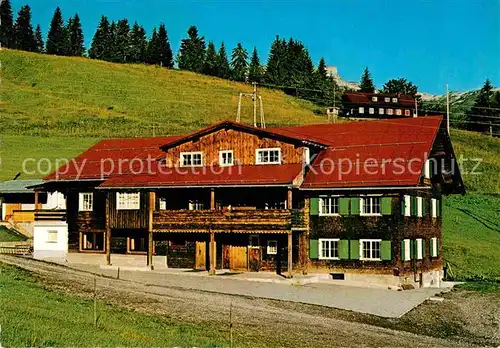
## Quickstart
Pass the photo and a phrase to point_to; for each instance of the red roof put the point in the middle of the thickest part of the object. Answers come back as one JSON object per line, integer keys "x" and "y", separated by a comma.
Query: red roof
{"x": 251, "y": 175}
{"x": 371, "y": 153}
{"x": 109, "y": 157}
{"x": 364, "y": 98}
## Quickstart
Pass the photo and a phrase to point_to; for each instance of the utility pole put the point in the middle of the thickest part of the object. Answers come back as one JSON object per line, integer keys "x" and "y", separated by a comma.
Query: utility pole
{"x": 447, "y": 109}
{"x": 254, "y": 99}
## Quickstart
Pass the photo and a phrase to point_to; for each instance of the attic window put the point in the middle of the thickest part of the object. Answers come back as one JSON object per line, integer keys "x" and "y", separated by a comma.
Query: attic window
{"x": 191, "y": 159}
{"x": 394, "y": 100}
{"x": 374, "y": 99}
{"x": 226, "y": 158}
{"x": 268, "y": 156}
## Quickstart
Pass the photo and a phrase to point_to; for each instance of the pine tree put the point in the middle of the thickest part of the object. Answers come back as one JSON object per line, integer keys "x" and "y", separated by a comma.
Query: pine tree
{"x": 326, "y": 85}
{"x": 239, "y": 63}
{"x": 153, "y": 54}
{"x": 112, "y": 44}
{"x": 7, "y": 27}
{"x": 276, "y": 63}
{"x": 255, "y": 70}
{"x": 223, "y": 69}
{"x": 401, "y": 86}
{"x": 99, "y": 49}
{"x": 23, "y": 31}
{"x": 121, "y": 39}
{"x": 66, "y": 51}
{"x": 56, "y": 43}
{"x": 366, "y": 85}
{"x": 210, "y": 66}
{"x": 166, "y": 57}
{"x": 39, "y": 39}
{"x": 480, "y": 114}
{"x": 192, "y": 52}
{"x": 76, "y": 40}
{"x": 138, "y": 44}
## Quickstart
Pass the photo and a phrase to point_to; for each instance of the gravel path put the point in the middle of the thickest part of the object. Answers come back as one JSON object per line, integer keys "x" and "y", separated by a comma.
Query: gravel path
{"x": 273, "y": 322}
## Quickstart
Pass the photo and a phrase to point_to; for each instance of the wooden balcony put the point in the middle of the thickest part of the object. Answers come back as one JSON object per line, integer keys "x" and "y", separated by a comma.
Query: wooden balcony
{"x": 235, "y": 220}
{"x": 50, "y": 215}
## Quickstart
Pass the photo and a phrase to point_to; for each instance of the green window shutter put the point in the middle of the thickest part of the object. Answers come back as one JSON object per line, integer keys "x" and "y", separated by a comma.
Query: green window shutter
{"x": 343, "y": 249}
{"x": 423, "y": 248}
{"x": 427, "y": 208}
{"x": 413, "y": 206}
{"x": 437, "y": 247}
{"x": 403, "y": 205}
{"x": 344, "y": 206}
{"x": 355, "y": 206}
{"x": 314, "y": 206}
{"x": 354, "y": 249}
{"x": 403, "y": 255}
{"x": 386, "y": 205}
{"x": 413, "y": 249}
{"x": 431, "y": 248}
{"x": 438, "y": 207}
{"x": 385, "y": 250}
{"x": 313, "y": 248}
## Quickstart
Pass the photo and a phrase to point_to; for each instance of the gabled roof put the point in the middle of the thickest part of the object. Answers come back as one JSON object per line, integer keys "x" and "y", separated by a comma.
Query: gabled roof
{"x": 362, "y": 98}
{"x": 386, "y": 145}
{"x": 110, "y": 157}
{"x": 228, "y": 124}
{"x": 210, "y": 176}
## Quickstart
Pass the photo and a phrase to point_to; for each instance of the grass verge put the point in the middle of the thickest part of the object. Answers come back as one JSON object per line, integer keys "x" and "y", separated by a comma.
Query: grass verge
{"x": 7, "y": 235}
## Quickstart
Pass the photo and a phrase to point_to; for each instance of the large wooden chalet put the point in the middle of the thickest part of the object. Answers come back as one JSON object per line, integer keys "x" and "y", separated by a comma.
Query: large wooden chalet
{"x": 291, "y": 199}
{"x": 377, "y": 105}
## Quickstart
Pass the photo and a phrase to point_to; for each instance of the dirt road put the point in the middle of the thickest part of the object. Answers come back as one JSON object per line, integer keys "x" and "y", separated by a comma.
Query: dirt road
{"x": 273, "y": 323}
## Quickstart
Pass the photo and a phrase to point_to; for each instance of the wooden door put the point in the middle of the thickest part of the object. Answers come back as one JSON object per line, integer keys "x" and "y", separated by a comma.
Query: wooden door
{"x": 254, "y": 259}
{"x": 201, "y": 255}
{"x": 238, "y": 258}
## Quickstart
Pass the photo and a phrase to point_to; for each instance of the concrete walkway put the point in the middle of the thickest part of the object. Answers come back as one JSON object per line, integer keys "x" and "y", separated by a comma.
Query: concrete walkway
{"x": 377, "y": 301}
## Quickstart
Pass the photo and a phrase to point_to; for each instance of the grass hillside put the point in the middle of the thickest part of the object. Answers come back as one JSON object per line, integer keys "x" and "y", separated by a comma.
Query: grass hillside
{"x": 60, "y": 96}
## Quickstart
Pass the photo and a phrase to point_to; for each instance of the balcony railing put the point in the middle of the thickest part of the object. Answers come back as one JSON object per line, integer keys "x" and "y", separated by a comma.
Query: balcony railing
{"x": 280, "y": 221}
{"x": 50, "y": 215}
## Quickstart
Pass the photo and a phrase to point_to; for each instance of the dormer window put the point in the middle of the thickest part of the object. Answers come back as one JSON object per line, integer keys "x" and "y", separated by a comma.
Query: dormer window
{"x": 226, "y": 158}
{"x": 268, "y": 156}
{"x": 394, "y": 100}
{"x": 191, "y": 159}
{"x": 387, "y": 99}
{"x": 374, "y": 99}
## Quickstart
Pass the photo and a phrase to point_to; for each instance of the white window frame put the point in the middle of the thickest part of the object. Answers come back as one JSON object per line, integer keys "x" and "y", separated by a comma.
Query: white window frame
{"x": 407, "y": 112}
{"x": 258, "y": 159}
{"x": 399, "y": 112}
{"x": 191, "y": 154}
{"x": 390, "y": 112}
{"x": 128, "y": 200}
{"x": 196, "y": 204}
{"x": 380, "y": 111}
{"x": 407, "y": 249}
{"x": 387, "y": 100}
{"x": 371, "y": 213}
{"x": 321, "y": 255}
{"x": 272, "y": 250}
{"x": 427, "y": 169}
{"x": 162, "y": 203}
{"x": 434, "y": 207}
{"x": 371, "y": 111}
{"x": 52, "y": 233}
{"x": 434, "y": 247}
{"x": 407, "y": 205}
{"x": 420, "y": 207}
{"x": 322, "y": 204}
{"x": 374, "y": 99}
{"x": 419, "y": 248}
{"x": 221, "y": 158}
{"x": 85, "y": 206}
{"x": 370, "y": 258}
{"x": 394, "y": 100}
{"x": 361, "y": 110}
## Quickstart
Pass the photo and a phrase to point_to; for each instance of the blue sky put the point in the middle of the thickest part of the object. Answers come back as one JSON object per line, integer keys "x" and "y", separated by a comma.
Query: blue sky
{"x": 431, "y": 43}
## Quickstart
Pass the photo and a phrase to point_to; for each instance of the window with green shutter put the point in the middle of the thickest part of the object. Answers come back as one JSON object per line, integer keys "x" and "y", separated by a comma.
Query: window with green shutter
{"x": 355, "y": 206}
{"x": 438, "y": 207}
{"x": 313, "y": 248}
{"x": 354, "y": 249}
{"x": 385, "y": 250}
{"x": 386, "y": 207}
{"x": 413, "y": 249}
{"x": 413, "y": 206}
{"x": 314, "y": 206}
{"x": 343, "y": 249}
{"x": 344, "y": 206}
